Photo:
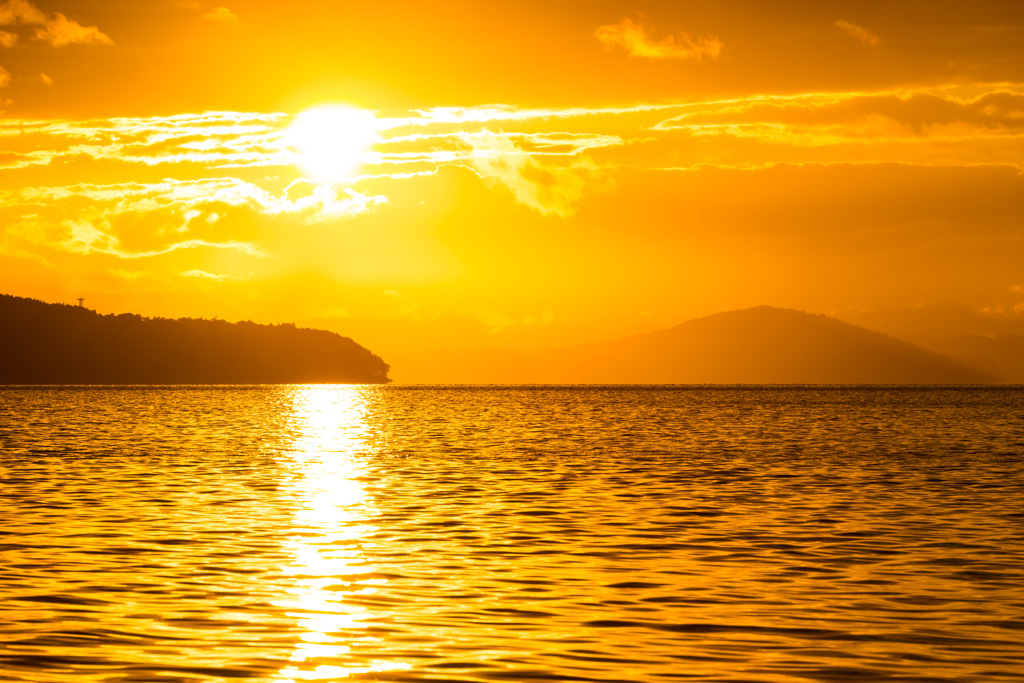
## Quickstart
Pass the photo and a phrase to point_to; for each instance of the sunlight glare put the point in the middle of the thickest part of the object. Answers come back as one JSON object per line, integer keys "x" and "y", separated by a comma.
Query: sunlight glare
{"x": 330, "y": 474}
{"x": 332, "y": 140}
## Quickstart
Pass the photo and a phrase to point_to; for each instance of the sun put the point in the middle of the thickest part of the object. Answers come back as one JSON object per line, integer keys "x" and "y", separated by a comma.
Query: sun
{"x": 332, "y": 140}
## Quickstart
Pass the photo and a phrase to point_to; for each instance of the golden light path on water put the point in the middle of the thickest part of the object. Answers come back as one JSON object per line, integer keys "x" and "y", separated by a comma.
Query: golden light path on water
{"x": 329, "y": 476}
{"x": 510, "y": 534}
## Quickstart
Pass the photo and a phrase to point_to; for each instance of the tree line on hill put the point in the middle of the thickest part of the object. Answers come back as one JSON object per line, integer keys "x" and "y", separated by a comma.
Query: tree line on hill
{"x": 43, "y": 343}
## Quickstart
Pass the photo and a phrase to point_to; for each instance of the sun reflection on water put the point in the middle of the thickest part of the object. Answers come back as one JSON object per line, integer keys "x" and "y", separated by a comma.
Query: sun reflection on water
{"x": 329, "y": 479}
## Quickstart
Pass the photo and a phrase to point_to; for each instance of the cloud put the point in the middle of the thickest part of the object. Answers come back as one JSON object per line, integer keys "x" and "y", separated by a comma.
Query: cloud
{"x": 6, "y": 79}
{"x": 213, "y": 140}
{"x": 60, "y": 31}
{"x": 139, "y": 221}
{"x": 204, "y": 275}
{"x": 548, "y": 190}
{"x": 853, "y": 115}
{"x": 464, "y": 116}
{"x": 634, "y": 39}
{"x": 20, "y": 12}
{"x": 221, "y": 14}
{"x": 866, "y": 37}
{"x": 53, "y": 29}
{"x": 542, "y": 154}
{"x": 233, "y": 140}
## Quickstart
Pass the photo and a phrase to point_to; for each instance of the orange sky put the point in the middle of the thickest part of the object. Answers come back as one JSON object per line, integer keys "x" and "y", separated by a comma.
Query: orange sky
{"x": 510, "y": 174}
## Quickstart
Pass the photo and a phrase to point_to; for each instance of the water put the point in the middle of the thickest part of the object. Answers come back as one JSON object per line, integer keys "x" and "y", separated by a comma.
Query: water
{"x": 511, "y": 534}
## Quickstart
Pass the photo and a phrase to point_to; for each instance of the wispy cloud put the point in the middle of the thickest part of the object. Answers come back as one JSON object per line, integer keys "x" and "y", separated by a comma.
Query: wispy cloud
{"x": 462, "y": 116}
{"x": 20, "y": 12}
{"x": 931, "y": 127}
{"x": 858, "y": 114}
{"x": 221, "y": 14}
{"x": 52, "y": 28}
{"x": 866, "y": 37}
{"x": 549, "y": 190}
{"x": 549, "y": 159}
{"x": 146, "y": 220}
{"x": 633, "y": 37}
{"x": 213, "y": 139}
{"x": 230, "y": 140}
{"x": 60, "y": 31}
{"x": 204, "y": 275}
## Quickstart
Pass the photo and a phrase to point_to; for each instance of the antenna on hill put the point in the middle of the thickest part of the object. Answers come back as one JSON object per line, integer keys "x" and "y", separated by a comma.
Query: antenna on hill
{"x": 81, "y": 302}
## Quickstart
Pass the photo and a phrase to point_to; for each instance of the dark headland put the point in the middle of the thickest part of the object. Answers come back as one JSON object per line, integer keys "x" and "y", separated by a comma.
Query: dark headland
{"x": 43, "y": 343}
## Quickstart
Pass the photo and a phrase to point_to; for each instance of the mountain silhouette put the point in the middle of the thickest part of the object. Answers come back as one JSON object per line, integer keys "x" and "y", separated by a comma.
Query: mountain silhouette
{"x": 944, "y": 319}
{"x": 43, "y": 343}
{"x": 991, "y": 344}
{"x": 762, "y": 345}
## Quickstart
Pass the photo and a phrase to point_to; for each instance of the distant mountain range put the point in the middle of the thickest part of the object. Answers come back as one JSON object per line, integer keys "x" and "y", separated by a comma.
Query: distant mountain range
{"x": 762, "y": 345}
{"x": 936, "y": 321}
{"x": 985, "y": 342}
{"x": 44, "y": 343}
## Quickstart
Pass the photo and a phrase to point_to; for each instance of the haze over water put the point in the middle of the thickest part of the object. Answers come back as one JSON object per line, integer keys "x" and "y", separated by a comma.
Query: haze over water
{"x": 511, "y": 533}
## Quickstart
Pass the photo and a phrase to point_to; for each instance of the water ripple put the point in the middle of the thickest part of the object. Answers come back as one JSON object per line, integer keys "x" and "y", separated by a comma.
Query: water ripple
{"x": 511, "y": 534}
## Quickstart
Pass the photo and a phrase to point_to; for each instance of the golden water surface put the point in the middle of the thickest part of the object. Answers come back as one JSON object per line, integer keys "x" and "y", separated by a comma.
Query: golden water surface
{"x": 326, "y": 533}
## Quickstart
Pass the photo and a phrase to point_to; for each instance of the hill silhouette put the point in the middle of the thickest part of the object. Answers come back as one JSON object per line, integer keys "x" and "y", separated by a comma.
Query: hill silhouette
{"x": 762, "y": 345}
{"x": 944, "y": 319}
{"x": 43, "y": 343}
{"x": 986, "y": 342}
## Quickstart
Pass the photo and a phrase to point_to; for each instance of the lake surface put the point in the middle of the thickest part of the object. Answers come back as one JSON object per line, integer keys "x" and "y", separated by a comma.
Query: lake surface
{"x": 511, "y": 534}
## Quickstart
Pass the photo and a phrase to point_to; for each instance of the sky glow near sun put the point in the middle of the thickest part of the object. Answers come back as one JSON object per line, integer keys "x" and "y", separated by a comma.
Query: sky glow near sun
{"x": 425, "y": 184}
